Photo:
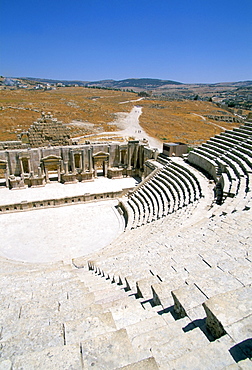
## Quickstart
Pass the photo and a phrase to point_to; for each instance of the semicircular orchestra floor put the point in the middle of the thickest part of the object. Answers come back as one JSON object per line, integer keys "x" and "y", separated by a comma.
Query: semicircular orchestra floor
{"x": 61, "y": 233}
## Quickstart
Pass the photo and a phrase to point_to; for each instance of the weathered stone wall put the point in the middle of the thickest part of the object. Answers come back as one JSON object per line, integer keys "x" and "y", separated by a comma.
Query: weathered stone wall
{"x": 36, "y": 166}
{"x": 15, "y": 144}
{"x": 48, "y": 131}
{"x": 225, "y": 118}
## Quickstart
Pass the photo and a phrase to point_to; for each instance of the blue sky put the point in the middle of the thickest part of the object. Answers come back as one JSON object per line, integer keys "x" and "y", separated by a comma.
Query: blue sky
{"x": 184, "y": 40}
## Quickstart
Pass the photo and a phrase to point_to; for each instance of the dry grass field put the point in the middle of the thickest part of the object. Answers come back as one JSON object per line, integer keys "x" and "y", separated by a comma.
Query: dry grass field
{"x": 180, "y": 120}
{"x": 88, "y": 111}
{"x": 91, "y": 109}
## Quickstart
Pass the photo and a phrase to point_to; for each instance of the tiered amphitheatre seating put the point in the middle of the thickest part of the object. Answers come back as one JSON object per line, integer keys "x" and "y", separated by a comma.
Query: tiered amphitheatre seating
{"x": 226, "y": 158}
{"x": 171, "y": 188}
{"x": 174, "y": 293}
{"x": 179, "y": 271}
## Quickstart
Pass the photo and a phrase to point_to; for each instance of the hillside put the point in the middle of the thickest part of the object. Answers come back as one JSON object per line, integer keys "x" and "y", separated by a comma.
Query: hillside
{"x": 89, "y": 111}
{"x": 138, "y": 83}
{"x": 233, "y": 94}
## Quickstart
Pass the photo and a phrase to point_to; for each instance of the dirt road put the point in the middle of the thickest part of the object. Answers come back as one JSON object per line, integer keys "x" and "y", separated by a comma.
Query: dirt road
{"x": 129, "y": 127}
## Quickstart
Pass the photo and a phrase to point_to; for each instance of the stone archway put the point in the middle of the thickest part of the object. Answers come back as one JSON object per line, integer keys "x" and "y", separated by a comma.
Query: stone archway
{"x": 100, "y": 164}
{"x": 51, "y": 166}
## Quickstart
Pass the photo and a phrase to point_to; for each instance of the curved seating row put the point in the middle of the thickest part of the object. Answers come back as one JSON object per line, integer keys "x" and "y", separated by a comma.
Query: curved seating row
{"x": 227, "y": 158}
{"x": 170, "y": 189}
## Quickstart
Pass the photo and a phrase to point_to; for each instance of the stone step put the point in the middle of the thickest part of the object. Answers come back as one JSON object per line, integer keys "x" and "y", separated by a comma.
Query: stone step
{"x": 88, "y": 328}
{"x": 226, "y": 309}
{"x": 178, "y": 345}
{"x": 62, "y": 357}
{"x": 240, "y": 332}
{"x": 214, "y": 355}
{"x": 33, "y": 339}
{"x": 162, "y": 292}
{"x": 213, "y": 281}
{"x": 128, "y": 311}
{"x": 188, "y": 302}
{"x": 144, "y": 287}
{"x": 146, "y": 364}
{"x": 142, "y": 327}
{"x": 108, "y": 351}
{"x": 241, "y": 365}
{"x": 242, "y": 273}
{"x": 145, "y": 342}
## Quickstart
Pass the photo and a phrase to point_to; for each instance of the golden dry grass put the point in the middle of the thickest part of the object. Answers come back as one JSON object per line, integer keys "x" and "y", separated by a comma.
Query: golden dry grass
{"x": 179, "y": 121}
{"x": 164, "y": 120}
{"x": 66, "y": 104}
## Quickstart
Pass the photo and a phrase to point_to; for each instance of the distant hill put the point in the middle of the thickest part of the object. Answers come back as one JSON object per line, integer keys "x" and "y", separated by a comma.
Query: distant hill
{"x": 233, "y": 94}
{"x": 130, "y": 83}
{"x": 51, "y": 81}
{"x": 139, "y": 83}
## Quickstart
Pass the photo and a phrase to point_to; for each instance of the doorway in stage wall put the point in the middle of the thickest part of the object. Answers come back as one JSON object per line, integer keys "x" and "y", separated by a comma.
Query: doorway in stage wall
{"x": 51, "y": 165}
{"x": 100, "y": 163}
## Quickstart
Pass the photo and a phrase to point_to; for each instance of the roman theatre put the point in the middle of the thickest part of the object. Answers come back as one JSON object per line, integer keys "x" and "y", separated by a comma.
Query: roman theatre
{"x": 123, "y": 255}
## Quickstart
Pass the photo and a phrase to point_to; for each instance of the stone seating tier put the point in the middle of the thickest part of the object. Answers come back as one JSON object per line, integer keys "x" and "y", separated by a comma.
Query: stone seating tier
{"x": 174, "y": 293}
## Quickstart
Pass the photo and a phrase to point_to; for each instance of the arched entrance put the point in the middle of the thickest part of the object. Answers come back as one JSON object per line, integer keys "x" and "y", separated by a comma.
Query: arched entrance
{"x": 100, "y": 163}
{"x": 51, "y": 165}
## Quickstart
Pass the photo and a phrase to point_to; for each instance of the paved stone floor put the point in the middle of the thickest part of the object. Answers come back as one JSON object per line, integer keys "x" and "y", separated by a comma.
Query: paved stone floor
{"x": 61, "y": 233}
{"x": 56, "y": 190}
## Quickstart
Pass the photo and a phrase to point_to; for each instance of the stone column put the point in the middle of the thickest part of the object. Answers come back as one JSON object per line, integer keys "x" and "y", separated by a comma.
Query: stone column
{"x": 29, "y": 164}
{"x": 136, "y": 155}
{"x": 129, "y": 152}
{"x": 66, "y": 168}
{"x": 90, "y": 164}
{"x": 73, "y": 164}
{"x": 109, "y": 151}
{"x": 58, "y": 170}
{"x": 6, "y": 175}
{"x": 106, "y": 168}
{"x": 22, "y": 167}
{"x": 83, "y": 157}
{"x": 120, "y": 156}
{"x": 72, "y": 161}
{"x": 46, "y": 174}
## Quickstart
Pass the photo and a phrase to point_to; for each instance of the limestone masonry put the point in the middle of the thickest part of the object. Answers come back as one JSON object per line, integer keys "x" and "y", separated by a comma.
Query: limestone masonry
{"x": 172, "y": 291}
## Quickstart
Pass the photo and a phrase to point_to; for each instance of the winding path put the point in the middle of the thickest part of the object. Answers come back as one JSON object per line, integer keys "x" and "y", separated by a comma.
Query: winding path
{"x": 128, "y": 124}
{"x": 211, "y": 123}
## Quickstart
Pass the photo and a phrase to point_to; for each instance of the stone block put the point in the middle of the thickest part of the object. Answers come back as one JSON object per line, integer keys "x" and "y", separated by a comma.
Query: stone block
{"x": 108, "y": 351}
{"x": 89, "y": 327}
{"x": 187, "y": 298}
{"x": 210, "y": 356}
{"x": 225, "y": 309}
{"x": 62, "y": 357}
{"x": 146, "y": 364}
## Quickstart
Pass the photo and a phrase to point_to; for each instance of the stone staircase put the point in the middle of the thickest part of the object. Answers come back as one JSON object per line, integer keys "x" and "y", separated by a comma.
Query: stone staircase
{"x": 77, "y": 317}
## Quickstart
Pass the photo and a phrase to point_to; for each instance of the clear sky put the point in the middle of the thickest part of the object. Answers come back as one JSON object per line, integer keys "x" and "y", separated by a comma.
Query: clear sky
{"x": 183, "y": 40}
